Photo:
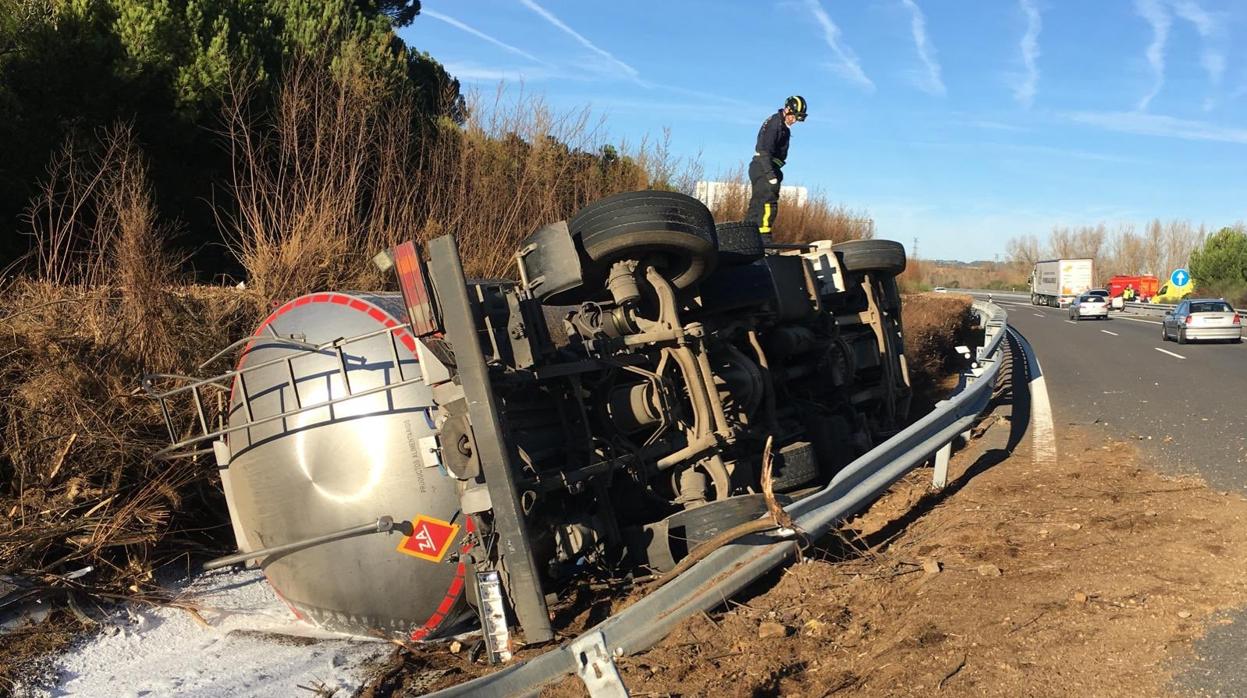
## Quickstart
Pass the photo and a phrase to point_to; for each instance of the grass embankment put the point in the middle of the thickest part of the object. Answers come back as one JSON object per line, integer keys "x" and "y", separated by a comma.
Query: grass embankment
{"x": 935, "y": 324}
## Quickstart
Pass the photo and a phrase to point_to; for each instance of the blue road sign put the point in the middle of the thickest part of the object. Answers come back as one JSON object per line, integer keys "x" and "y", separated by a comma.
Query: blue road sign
{"x": 1179, "y": 277}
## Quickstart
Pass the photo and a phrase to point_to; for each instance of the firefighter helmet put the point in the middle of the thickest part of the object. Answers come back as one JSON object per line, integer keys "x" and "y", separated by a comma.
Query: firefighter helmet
{"x": 796, "y": 106}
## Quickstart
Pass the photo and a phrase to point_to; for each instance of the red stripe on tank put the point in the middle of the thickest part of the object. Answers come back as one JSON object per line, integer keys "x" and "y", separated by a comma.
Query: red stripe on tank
{"x": 452, "y": 593}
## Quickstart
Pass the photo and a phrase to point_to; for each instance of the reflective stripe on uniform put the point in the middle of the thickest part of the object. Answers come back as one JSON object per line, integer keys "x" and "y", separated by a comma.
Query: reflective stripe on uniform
{"x": 766, "y": 219}
{"x": 775, "y": 160}
{"x": 800, "y": 105}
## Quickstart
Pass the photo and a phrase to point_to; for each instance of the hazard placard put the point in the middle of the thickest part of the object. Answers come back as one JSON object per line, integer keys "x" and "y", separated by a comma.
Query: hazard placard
{"x": 430, "y": 538}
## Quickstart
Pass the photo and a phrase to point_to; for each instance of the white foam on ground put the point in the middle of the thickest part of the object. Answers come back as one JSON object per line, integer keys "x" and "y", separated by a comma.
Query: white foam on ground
{"x": 164, "y": 651}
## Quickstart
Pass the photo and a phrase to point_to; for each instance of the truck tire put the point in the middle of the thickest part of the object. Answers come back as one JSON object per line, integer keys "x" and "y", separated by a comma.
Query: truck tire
{"x": 739, "y": 243}
{"x": 678, "y": 229}
{"x": 885, "y": 256}
{"x": 794, "y": 466}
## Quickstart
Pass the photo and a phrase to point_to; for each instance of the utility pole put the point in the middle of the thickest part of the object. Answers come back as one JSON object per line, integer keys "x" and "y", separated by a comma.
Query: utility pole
{"x": 915, "y": 254}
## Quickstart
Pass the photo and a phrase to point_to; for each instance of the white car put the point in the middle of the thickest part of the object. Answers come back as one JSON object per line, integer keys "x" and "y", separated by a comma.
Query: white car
{"x": 940, "y": 289}
{"x": 1203, "y": 319}
{"x": 1089, "y": 305}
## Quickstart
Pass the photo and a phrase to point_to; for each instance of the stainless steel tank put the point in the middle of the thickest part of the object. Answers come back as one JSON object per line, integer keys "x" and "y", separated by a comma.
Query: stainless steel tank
{"x": 359, "y": 456}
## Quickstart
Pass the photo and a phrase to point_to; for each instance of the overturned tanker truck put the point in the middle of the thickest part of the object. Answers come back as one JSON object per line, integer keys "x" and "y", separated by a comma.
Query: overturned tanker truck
{"x": 598, "y": 418}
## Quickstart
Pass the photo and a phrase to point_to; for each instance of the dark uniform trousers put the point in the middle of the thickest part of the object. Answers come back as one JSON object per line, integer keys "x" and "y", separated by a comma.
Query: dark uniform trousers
{"x": 764, "y": 202}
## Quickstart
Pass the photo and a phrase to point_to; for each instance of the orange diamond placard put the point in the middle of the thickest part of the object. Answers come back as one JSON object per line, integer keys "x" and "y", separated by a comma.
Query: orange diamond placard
{"x": 430, "y": 538}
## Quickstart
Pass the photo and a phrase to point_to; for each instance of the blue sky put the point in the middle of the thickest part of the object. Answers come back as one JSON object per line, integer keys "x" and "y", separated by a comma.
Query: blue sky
{"x": 959, "y": 123}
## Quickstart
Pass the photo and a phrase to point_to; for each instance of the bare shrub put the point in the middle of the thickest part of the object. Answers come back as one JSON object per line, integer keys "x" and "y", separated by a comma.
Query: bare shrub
{"x": 330, "y": 177}
{"x": 916, "y": 276}
{"x": 77, "y": 485}
{"x": 1160, "y": 248}
{"x": 95, "y": 225}
{"x": 308, "y": 178}
{"x": 516, "y": 164}
{"x": 816, "y": 219}
{"x": 78, "y": 488}
{"x": 934, "y": 324}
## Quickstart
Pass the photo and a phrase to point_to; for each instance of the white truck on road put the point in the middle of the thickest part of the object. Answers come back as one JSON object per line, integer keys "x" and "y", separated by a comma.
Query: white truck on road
{"x": 1057, "y": 282}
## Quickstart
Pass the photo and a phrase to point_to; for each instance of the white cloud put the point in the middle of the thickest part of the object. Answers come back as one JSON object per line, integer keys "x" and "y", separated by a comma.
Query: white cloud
{"x": 932, "y": 82}
{"x": 1157, "y": 125}
{"x": 1024, "y": 89}
{"x": 1206, "y": 24}
{"x": 1158, "y": 17}
{"x": 1212, "y": 57}
{"x": 473, "y": 72}
{"x": 847, "y": 63}
{"x": 480, "y": 34}
{"x": 626, "y": 69}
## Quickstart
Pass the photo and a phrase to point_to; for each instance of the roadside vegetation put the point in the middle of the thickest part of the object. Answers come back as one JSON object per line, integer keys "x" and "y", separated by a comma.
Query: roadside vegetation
{"x": 281, "y": 149}
{"x": 1217, "y": 261}
{"x": 1219, "y": 266}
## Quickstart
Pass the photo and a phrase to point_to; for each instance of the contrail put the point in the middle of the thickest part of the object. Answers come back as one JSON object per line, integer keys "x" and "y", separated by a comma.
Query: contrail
{"x": 849, "y": 66}
{"x": 532, "y": 5}
{"x": 918, "y": 26}
{"x": 1025, "y": 91}
{"x": 481, "y": 35}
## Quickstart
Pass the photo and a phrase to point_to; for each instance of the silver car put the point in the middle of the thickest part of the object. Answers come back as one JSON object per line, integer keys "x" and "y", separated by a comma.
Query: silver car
{"x": 1089, "y": 305}
{"x": 1202, "y": 319}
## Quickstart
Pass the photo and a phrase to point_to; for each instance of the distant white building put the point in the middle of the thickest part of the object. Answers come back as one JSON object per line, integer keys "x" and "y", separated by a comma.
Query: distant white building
{"x": 711, "y": 193}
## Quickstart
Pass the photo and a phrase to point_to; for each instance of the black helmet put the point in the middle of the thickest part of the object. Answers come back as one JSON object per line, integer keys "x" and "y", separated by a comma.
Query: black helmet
{"x": 796, "y": 106}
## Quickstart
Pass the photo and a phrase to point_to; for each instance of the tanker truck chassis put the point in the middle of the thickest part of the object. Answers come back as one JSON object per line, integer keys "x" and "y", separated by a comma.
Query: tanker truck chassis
{"x": 597, "y": 419}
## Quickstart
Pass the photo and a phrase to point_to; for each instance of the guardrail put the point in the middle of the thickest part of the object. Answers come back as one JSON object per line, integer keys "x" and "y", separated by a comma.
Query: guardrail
{"x": 734, "y": 566}
{"x": 1157, "y": 309}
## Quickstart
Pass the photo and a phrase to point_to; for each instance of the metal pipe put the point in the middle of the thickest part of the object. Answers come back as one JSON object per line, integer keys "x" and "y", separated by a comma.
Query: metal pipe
{"x": 668, "y": 313}
{"x": 695, "y": 447}
{"x": 767, "y": 380}
{"x": 289, "y": 413}
{"x": 661, "y": 335}
{"x": 719, "y": 475}
{"x": 692, "y": 382}
{"x": 712, "y": 393}
{"x": 384, "y": 524}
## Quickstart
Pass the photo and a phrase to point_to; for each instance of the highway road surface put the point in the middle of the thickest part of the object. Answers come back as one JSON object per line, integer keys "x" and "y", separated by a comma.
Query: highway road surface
{"x": 1185, "y": 406}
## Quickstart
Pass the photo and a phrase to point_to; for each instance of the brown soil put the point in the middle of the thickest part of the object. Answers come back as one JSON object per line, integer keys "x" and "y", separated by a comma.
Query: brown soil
{"x": 1090, "y": 578}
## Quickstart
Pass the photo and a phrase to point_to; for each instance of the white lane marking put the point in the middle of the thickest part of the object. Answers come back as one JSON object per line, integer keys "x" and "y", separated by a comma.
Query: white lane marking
{"x": 1107, "y": 332}
{"x": 1039, "y": 314}
{"x": 1135, "y": 319}
{"x": 1165, "y": 351}
{"x": 1071, "y": 322}
{"x": 1043, "y": 439}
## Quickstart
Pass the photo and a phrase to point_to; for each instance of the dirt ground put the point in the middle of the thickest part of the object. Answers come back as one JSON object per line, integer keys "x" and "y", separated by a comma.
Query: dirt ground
{"x": 1090, "y": 578}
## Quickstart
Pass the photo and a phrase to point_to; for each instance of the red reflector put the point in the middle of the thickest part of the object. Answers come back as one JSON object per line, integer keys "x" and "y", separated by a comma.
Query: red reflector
{"x": 417, "y": 295}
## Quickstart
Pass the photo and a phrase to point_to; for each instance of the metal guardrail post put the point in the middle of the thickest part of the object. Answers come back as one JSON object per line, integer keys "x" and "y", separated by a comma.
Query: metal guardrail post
{"x": 939, "y": 479}
{"x": 596, "y": 668}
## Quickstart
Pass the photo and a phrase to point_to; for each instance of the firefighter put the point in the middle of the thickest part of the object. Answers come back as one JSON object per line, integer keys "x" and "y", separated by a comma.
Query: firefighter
{"x": 1128, "y": 294}
{"x": 765, "y": 171}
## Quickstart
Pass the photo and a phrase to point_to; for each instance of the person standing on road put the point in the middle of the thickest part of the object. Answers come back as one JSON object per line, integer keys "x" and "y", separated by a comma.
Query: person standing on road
{"x": 1128, "y": 294}
{"x": 769, "y": 155}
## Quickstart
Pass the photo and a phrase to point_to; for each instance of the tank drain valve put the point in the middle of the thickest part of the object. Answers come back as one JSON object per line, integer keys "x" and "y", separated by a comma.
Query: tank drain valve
{"x": 383, "y": 524}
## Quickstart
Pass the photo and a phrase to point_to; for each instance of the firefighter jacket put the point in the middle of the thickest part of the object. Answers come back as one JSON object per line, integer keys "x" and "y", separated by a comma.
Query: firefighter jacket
{"x": 772, "y": 148}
